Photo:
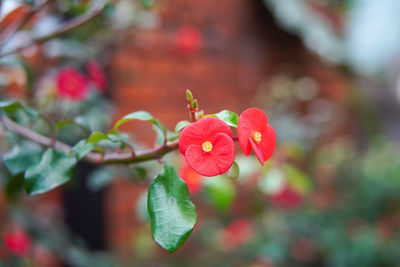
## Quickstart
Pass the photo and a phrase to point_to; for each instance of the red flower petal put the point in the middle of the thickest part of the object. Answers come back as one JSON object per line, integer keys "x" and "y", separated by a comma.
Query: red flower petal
{"x": 72, "y": 84}
{"x": 17, "y": 241}
{"x": 266, "y": 147}
{"x": 288, "y": 198}
{"x": 188, "y": 39}
{"x": 191, "y": 177}
{"x": 250, "y": 121}
{"x": 213, "y": 163}
{"x": 268, "y": 142}
{"x": 96, "y": 75}
{"x": 203, "y": 130}
{"x": 257, "y": 151}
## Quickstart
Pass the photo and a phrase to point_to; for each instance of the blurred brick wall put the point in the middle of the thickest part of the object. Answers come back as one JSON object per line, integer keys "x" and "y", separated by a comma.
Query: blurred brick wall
{"x": 241, "y": 47}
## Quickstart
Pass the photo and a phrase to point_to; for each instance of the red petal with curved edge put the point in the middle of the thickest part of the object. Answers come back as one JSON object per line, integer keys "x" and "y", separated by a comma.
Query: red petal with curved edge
{"x": 203, "y": 130}
{"x": 257, "y": 151}
{"x": 251, "y": 120}
{"x": 244, "y": 132}
{"x": 268, "y": 142}
{"x": 216, "y": 162}
{"x": 266, "y": 147}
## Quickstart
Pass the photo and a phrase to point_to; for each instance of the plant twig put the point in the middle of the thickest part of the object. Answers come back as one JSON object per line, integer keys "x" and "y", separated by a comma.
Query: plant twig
{"x": 110, "y": 158}
{"x": 66, "y": 27}
{"x": 4, "y": 37}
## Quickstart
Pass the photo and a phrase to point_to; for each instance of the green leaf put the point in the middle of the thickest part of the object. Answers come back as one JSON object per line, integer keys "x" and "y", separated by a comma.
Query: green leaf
{"x": 233, "y": 172}
{"x": 227, "y": 116}
{"x": 21, "y": 157}
{"x": 66, "y": 123}
{"x": 10, "y": 106}
{"x": 85, "y": 146}
{"x": 172, "y": 213}
{"x": 14, "y": 186}
{"x": 180, "y": 125}
{"x": 96, "y": 137}
{"x": 142, "y": 116}
{"x": 81, "y": 149}
{"x": 221, "y": 192}
{"x": 55, "y": 168}
{"x": 147, "y": 3}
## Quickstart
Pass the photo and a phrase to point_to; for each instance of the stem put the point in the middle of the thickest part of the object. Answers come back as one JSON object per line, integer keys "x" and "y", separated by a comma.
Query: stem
{"x": 193, "y": 115}
{"x": 7, "y": 34}
{"x": 66, "y": 27}
{"x": 110, "y": 158}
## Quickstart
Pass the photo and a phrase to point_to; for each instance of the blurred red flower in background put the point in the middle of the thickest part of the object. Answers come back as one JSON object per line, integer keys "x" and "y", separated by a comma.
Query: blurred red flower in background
{"x": 287, "y": 198}
{"x": 17, "y": 241}
{"x": 72, "y": 84}
{"x": 191, "y": 178}
{"x": 235, "y": 234}
{"x": 208, "y": 146}
{"x": 254, "y": 132}
{"x": 96, "y": 75}
{"x": 188, "y": 39}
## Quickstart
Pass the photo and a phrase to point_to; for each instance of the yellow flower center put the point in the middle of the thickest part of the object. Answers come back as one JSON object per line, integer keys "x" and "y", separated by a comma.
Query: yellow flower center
{"x": 207, "y": 146}
{"x": 257, "y": 137}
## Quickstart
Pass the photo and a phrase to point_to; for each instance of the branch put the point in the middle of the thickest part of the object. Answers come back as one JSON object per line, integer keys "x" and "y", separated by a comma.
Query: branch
{"x": 66, "y": 27}
{"x": 7, "y": 34}
{"x": 110, "y": 158}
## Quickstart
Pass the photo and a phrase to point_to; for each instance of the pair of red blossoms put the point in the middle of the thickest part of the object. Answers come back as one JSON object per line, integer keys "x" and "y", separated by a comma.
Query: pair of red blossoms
{"x": 208, "y": 144}
{"x": 73, "y": 85}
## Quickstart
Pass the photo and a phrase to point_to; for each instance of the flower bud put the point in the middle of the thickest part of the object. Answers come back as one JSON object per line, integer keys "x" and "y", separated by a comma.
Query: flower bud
{"x": 195, "y": 104}
{"x": 189, "y": 95}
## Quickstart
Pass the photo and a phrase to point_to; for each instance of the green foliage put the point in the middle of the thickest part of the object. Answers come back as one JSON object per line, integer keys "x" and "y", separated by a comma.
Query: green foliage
{"x": 180, "y": 125}
{"x": 221, "y": 192}
{"x": 172, "y": 213}
{"x": 21, "y": 157}
{"x": 142, "y": 116}
{"x": 227, "y": 116}
{"x": 147, "y": 3}
{"x": 55, "y": 168}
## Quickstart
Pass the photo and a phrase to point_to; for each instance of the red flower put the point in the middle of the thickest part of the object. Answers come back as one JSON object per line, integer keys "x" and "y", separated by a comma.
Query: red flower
{"x": 288, "y": 198}
{"x": 192, "y": 178}
{"x": 72, "y": 84}
{"x": 255, "y": 132}
{"x": 237, "y": 233}
{"x": 96, "y": 75}
{"x": 208, "y": 146}
{"x": 188, "y": 39}
{"x": 17, "y": 241}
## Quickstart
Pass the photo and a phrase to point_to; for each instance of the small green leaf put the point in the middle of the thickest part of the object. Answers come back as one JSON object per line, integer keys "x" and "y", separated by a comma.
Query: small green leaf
{"x": 147, "y": 3}
{"x": 55, "y": 168}
{"x": 227, "y": 116}
{"x": 233, "y": 172}
{"x": 81, "y": 149}
{"x": 172, "y": 213}
{"x": 96, "y": 137}
{"x": 221, "y": 192}
{"x": 138, "y": 115}
{"x": 180, "y": 125}
{"x": 21, "y": 157}
{"x": 65, "y": 123}
{"x": 85, "y": 146}
{"x": 142, "y": 116}
{"x": 10, "y": 106}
